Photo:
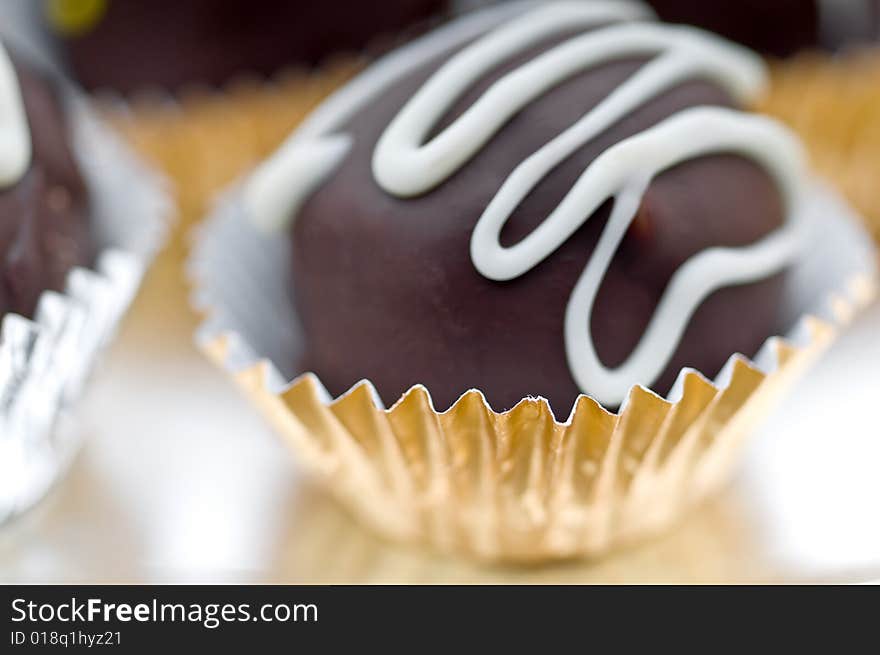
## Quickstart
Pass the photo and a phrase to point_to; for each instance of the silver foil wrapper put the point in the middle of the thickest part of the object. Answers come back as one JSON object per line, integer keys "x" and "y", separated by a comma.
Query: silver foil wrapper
{"x": 45, "y": 362}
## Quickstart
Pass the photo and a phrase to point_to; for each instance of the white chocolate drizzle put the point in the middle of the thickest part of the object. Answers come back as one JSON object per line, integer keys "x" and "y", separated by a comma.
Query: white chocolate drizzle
{"x": 405, "y": 165}
{"x": 15, "y": 137}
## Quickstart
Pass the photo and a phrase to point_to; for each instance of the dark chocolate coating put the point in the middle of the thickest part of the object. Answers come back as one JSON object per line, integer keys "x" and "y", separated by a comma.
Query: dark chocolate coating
{"x": 386, "y": 289}
{"x": 774, "y": 27}
{"x": 44, "y": 218}
{"x": 169, "y": 43}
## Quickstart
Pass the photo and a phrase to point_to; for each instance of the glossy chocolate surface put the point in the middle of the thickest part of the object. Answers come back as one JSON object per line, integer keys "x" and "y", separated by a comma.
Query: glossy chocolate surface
{"x": 386, "y": 289}
{"x": 44, "y": 217}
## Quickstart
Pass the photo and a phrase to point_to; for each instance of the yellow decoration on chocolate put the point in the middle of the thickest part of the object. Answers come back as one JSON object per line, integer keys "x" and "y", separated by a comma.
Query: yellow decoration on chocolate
{"x": 74, "y": 17}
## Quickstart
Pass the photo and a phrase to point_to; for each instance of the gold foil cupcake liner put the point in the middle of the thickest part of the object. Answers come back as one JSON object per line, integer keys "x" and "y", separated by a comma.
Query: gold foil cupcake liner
{"x": 833, "y": 102}
{"x": 45, "y": 362}
{"x": 517, "y": 485}
{"x": 320, "y": 543}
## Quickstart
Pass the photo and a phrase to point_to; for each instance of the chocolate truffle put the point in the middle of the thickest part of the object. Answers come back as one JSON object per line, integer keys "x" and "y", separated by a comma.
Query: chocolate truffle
{"x": 780, "y": 27}
{"x": 567, "y": 203}
{"x": 126, "y": 46}
{"x": 44, "y": 205}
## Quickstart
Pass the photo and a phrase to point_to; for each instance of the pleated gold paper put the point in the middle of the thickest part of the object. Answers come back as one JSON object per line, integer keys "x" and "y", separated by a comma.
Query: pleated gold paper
{"x": 834, "y": 104}
{"x": 519, "y": 485}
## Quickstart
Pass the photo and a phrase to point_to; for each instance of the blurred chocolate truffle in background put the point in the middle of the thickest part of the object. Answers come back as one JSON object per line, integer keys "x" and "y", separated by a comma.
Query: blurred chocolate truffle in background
{"x": 128, "y": 45}
{"x": 44, "y": 205}
{"x": 779, "y": 27}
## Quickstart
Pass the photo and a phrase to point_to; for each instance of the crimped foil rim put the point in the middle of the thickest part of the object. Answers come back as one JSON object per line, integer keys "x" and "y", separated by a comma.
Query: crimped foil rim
{"x": 495, "y": 490}
{"x": 835, "y": 309}
{"x": 813, "y": 329}
{"x": 45, "y": 361}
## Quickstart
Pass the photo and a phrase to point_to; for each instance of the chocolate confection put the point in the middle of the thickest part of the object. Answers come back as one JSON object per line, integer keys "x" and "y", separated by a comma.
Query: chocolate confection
{"x": 127, "y": 46}
{"x": 780, "y": 27}
{"x": 44, "y": 205}
{"x": 568, "y": 203}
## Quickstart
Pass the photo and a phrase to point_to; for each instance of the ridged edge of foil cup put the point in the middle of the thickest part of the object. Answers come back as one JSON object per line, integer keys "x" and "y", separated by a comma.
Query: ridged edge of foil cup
{"x": 517, "y": 485}
{"x": 45, "y": 362}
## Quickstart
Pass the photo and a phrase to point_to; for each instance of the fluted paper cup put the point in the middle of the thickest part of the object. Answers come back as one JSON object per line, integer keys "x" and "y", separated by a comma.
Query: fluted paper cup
{"x": 521, "y": 485}
{"x": 45, "y": 362}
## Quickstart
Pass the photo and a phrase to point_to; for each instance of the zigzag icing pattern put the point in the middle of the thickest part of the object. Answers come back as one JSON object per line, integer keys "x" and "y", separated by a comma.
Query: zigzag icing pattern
{"x": 405, "y": 165}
